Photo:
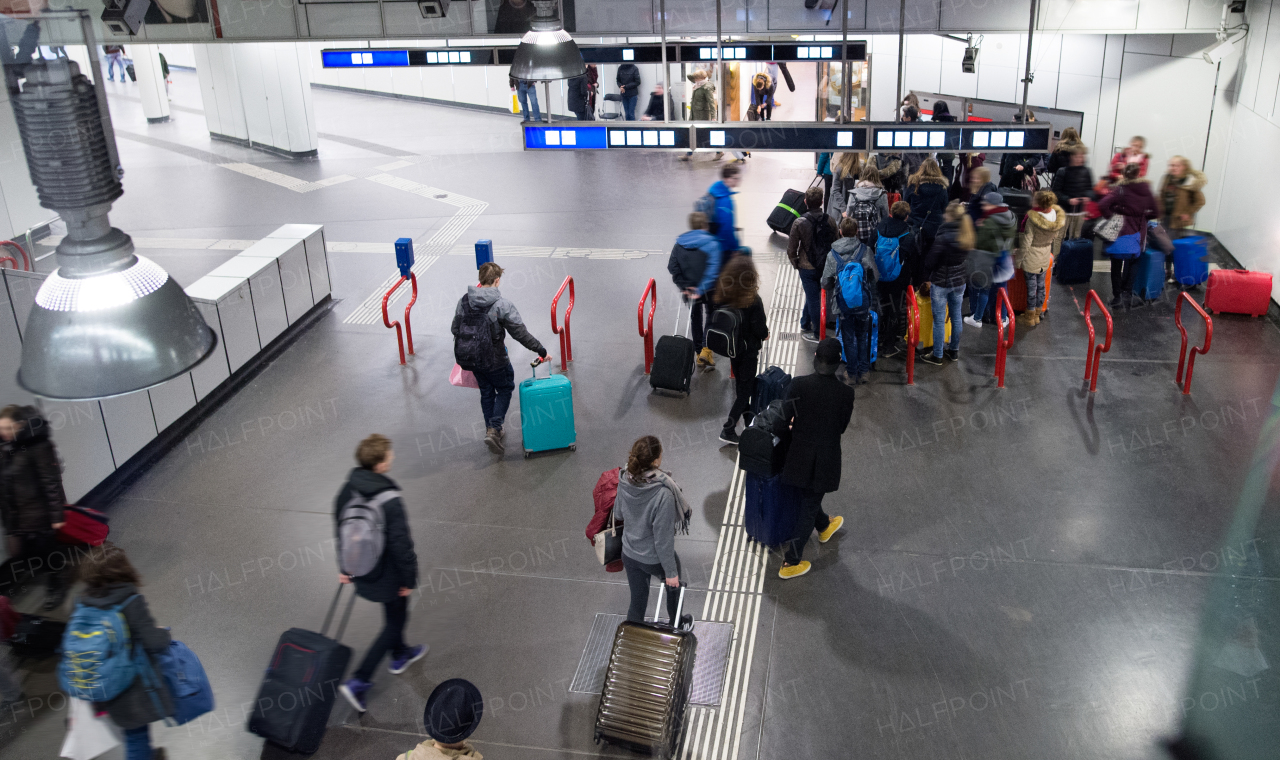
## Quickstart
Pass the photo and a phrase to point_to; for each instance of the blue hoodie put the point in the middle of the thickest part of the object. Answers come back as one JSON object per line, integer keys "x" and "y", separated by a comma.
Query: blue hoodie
{"x": 706, "y": 242}
{"x": 727, "y": 235}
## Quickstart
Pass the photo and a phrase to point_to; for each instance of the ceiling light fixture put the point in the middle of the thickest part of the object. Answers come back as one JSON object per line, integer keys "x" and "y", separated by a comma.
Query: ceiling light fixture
{"x": 546, "y": 51}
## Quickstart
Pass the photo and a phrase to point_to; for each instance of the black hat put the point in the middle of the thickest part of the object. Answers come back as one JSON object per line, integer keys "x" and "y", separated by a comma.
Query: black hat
{"x": 827, "y": 355}
{"x": 453, "y": 711}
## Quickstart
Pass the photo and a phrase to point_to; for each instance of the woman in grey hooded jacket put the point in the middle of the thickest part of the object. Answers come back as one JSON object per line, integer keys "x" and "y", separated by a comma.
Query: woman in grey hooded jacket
{"x": 652, "y": 510}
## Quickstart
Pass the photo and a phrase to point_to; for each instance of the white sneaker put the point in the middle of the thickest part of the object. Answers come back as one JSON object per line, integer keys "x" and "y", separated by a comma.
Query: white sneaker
{"x": 970, "y": 321}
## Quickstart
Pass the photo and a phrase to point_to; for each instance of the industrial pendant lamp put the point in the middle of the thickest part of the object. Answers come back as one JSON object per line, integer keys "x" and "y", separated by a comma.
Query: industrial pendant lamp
{"x": 546, "y": 51}
{"x": 106, "y": 322}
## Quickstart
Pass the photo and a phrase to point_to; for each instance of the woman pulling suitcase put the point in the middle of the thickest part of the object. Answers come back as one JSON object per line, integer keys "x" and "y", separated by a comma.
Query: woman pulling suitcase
{"x": 652, "y": 509}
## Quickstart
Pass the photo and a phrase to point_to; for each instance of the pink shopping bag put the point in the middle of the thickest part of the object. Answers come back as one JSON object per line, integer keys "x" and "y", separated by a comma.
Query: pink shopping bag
{"x": 462, "y": 378}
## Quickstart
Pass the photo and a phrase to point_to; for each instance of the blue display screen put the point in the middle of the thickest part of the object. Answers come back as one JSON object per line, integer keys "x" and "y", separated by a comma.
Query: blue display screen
{"x": 565, "y": 138}
{"x": 349, "y": 59}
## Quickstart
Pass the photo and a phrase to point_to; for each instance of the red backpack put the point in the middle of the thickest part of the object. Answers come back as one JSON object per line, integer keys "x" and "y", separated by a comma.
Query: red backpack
{"x": 604, "y": 494}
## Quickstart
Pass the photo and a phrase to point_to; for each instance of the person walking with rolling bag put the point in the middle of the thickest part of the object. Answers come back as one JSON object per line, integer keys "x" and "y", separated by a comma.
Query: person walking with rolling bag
{"x": 652, "y": 509}
{"x": 694, "y": 265}
{"x": 810, "y": 240}
{"x": 738, "y": 294}
{"x": 375, "y": 552}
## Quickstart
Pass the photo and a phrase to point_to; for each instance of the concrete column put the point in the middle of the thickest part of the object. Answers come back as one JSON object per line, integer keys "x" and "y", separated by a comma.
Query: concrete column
{"x": 259, "y": 94}
{"x": 151, "y": 89}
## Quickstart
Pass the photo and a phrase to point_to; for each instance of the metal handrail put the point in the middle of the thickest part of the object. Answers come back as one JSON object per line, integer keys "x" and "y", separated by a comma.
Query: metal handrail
{"x": 1002, "y": 345}
{"x": 649, "y": 290}
{"x": 566, "y": 339}
{"x": 408, "y": 328}
{"x": 822, "y": 317}
{"x": 1094, "y": 357}
{"x": 913, "y": 333}
{"x": 26, "y": 260}
{"x": 1182, "y": 353}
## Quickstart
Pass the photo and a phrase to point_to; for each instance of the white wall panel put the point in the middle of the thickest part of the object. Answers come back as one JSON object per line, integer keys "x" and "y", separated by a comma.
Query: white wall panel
{"x": 379, "y": 80}
{"x": 1154, "y": 44}
{"x": 1105, "y": 137}
{"x": 171, "y": 400}
{"x": 10, "y": 350}
{"x": 1246, "y": 221}
{"x": 1269, "y": 68}
{"x": 344, "y": 20}
{"x": 81, "y": 438}
{"x": 1163, "y": 14}
{"x": 469, "y": 84}
{"x": 1006, "y": 14}
{"x": 1192, "y": 45}
{"x": 438, "y": 83}
{"x": 1078, "y": 93}
{"x": 130, "y": 424}
{"x": 1067, "y": 15}
{"x": 407, "y": 82}
{"x": 1113, "y": 56}
{"x": 999, "y": 83}
{"x": 1082, "y": 54}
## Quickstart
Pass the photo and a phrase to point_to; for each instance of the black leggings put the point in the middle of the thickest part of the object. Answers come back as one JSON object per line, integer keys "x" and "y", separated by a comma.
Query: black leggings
{"x": 1122, "y": 275}
{"x": 745, "y": 367}
{"x": 396, "y": 614}
{"x": 638, "y": 575}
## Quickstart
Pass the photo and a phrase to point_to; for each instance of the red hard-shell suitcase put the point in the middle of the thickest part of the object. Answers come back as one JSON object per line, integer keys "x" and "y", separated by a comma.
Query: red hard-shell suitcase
{"x": 1238, "y": 291}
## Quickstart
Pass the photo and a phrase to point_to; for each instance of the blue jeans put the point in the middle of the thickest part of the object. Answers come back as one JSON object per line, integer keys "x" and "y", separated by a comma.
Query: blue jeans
{"x": 495, "y": 394}
{"x": 528, "y": 93}
{"x": 811, "y": 317}
{"x": 629, "y": 106}
{"x": 855, "y": 338}
{"x": 137, "y": 743}
{"x": 942, "y": 299}
{"x": 1035, "y": 290}
{"x": 114, "y": 60}
{"x": 978, "y": 299}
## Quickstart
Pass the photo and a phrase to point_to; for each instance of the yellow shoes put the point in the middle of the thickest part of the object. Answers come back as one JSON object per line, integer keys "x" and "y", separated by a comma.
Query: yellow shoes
{"x": 826, "y": 535}
{"x": 706, "y": 359}
{"x": 794, "y": 571}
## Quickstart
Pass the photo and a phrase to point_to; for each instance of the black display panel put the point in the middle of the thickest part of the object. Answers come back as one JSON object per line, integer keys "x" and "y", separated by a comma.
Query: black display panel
{"x": 997, "y": 138}
{"x": 633, "y": 54}
{"x": 452, "y": 57}
{"x": 732, "y": 52}
{"x": 904, "y": 137}
{"x": 788, "y": 136}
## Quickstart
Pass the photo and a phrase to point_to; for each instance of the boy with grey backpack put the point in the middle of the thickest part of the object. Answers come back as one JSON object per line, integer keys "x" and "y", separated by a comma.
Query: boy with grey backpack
{"x": 375, "y": 552}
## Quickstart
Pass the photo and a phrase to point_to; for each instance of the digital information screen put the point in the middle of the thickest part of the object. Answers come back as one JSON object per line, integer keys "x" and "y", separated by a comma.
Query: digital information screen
{"x": 638, "y": 54}
{"x": 782, "y": 137}
{"x": 691, "y": 53}
{"x": 450, "y": 57}
{"x": 555, "y": 137}
{"x": 897, "y": 139}
{"x": 995, "y": 138}
{"x": 346, "y": 59}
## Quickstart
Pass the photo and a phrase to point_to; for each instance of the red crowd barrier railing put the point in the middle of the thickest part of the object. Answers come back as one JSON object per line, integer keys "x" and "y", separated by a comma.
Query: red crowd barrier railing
{"x": 822, "y": 317}
{"x": 566, "y": 339}
{"x": 413, "y": 280}
{"x": 1096, "y": 350}
{"x": 1004, "y": 309}
{"x": 913, "y": 333}
{"x": 1182, "y": 353}
{"x": 26, "y": 260}
{"x": 649, "y": 290}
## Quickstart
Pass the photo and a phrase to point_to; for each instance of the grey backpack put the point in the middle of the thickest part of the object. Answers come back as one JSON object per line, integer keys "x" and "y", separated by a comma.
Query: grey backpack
{"x": 362, "y": 533}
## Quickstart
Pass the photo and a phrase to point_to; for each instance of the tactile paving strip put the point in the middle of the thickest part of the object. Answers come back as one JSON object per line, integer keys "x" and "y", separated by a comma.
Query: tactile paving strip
{"x": 708, "y": 668}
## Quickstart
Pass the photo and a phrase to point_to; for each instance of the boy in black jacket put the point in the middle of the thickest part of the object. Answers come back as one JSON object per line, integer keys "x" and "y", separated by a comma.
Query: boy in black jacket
{"x": 893, "y": 294}
{"x": 396, "y": 575}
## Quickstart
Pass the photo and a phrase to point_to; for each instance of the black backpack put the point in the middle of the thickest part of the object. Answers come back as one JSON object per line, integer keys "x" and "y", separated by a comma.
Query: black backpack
{"x": 473, "y": 348}
{"x": 722, "y": 331}
{"x": 824, "y": 234}
{"x": 762, "y": 447}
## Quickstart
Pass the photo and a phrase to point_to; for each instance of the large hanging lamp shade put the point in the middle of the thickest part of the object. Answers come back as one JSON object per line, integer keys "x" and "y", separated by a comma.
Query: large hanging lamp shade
{"x": 546, "y": 51}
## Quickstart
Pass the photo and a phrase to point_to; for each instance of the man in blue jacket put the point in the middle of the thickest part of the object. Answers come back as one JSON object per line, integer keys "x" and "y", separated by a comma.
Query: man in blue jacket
{"x": 694, "y": 266}
{"x": 722, "y": 226}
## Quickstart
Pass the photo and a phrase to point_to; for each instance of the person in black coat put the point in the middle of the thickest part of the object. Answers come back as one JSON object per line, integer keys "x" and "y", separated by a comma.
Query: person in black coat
{"x": 1073, "y": 185}
{"x": 653, "y": 112}
{"x": 738, "y": 287}
{"x": 396, "y": 575}
{"x": 578, "y": 96}
{"x": 629, "y": 87}
{"x": 819, "y": 408}
{"x": 31, "y": 502}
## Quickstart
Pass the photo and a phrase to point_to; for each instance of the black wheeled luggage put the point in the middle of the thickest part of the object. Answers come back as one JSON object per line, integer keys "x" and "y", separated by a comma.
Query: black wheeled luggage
{"x": 786, "y": 212}
{"x": 646, "y": 686}
{"x": 301, "y": 685}
{"x": 673, "y": 361}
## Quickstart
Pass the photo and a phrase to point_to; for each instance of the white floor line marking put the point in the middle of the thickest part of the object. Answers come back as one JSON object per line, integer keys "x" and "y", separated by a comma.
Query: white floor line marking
{"x": 284, "y": 180}
{"x": 393, "y": 166}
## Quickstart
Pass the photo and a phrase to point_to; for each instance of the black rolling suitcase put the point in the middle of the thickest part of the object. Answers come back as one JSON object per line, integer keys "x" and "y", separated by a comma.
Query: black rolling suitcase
{"x": 1018, "y": 201}
{"x": 301, "y": 685}
{"x": 673, "y": 361}
{"x": 646, "y": 686}
{"x": 786, "y": 212}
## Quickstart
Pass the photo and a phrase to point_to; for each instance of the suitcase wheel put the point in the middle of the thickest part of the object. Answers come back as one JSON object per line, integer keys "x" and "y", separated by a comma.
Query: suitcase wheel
{"x": 573, "y": 447}
{"x": 526, "y": 455}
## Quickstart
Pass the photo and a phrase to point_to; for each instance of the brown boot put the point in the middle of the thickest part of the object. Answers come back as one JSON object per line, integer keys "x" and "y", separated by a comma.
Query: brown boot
{"x": 1036, "y": 315}
{"x": 1027, "y": 318}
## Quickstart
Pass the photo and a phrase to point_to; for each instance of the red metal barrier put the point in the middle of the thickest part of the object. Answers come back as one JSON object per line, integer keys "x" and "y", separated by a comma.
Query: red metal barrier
{"x": 649, "y": 290}
{"x": 1182, "y": 354}
{"x": 913, "y": 333}
{"x": 413, "y": 280}
{"x": 1002, "y": 345}
{"x": 26, "y": 260}
{"x": 1094, "y": 357}
{"x": 822, "y": 317}
{"x": 566, "y": 339}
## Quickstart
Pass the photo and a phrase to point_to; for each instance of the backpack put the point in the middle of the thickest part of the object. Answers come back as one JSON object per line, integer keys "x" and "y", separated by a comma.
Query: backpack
{"x": 362, "y": 533}
{"x": 824, "y": 234}
{"x": 889, "y": 257}
{"x": 853, "y": 284}
{"x": 707, "y": 206}
{"x": 473, "y": 347}
{"x": 722, "y": 331}
{"x": 188, "y": 685}
{"x": 98, "y": 662}
{"x": 867, "y": 215}
{"x": 771, "y": 384}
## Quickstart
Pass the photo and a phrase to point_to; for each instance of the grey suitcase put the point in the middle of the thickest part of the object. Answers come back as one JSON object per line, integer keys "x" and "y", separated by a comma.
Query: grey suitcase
{"x": 646, "y": 686}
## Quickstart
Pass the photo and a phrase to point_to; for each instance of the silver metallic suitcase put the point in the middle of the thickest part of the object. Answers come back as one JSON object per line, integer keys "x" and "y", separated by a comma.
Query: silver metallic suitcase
{"x": 646, "y": 686}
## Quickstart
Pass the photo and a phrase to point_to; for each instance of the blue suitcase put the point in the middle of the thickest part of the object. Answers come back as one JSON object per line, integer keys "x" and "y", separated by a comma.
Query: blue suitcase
{"x": 771, "y": 510}
{"x": 1190, "y": 260}
{"x": 546, "y": 413}
{"x": 1148, "y": 280}
{"x": 1074, "y": 264}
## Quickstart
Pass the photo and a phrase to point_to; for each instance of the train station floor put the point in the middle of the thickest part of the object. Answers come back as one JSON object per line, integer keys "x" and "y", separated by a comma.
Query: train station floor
{"x": 1021, "y": 571}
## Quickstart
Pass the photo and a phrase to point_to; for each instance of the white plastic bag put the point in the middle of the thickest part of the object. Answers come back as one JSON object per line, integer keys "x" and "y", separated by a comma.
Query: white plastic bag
{"x": 88, "y": 736}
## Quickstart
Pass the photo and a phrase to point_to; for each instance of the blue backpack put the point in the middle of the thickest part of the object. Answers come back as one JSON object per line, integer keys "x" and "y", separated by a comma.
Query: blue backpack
{"x": 707, "y": 206}
{"x": 97, "y": 659}
{"x": 888, "y": 256}
{"x": 852, "y": 280}
{"x": 188, "y": 685}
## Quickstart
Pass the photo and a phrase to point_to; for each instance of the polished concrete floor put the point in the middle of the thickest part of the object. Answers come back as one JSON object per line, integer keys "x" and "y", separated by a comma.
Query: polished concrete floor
{"x": 1021, "y": 570}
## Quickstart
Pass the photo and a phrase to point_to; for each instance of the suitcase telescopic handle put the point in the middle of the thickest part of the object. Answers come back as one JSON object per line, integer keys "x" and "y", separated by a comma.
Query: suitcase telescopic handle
{"x": 662, "y": 597}
{"x": 328, "y": 618}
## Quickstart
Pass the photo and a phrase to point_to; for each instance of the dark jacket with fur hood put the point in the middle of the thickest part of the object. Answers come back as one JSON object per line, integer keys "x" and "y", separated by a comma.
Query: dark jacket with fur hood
{"x": 928, "y": 203}
{"x": 31, "y": 495}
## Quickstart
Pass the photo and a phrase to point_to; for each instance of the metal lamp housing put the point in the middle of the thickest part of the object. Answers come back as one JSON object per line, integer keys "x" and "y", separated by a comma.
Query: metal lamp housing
{"x": 547, "y": 52}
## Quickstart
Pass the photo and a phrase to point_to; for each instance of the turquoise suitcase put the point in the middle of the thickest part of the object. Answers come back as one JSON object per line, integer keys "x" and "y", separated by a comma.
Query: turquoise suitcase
{"x": 546, "y": 413}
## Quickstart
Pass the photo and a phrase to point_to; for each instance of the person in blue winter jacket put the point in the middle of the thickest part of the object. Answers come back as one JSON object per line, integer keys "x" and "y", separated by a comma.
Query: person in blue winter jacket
{"x": 723, "y": 224}
{"x": 694, "y": 266}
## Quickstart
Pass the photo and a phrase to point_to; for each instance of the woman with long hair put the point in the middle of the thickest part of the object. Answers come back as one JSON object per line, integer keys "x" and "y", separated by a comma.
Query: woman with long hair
{"x": 845, "y": 170}
{"x": 926, "y": 191}
{"x": 946, "y": 263}
{"x": 652, "y": 510}
{"x": 1061, "y": 155}
{"x": 868, "y": 204}
{"x": 738, "y": 287}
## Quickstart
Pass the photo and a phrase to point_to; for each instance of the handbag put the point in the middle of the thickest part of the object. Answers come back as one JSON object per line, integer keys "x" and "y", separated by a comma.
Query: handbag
{"x": 1109, "y": 229}
{"x": 462, "y": 378}
{"x": 83, "y": 525}
{"x": 609, "y": 542}
{"x": 753, "y": 112}
{"x": 979, "y": 266}
{"x": 88, "y": 736}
